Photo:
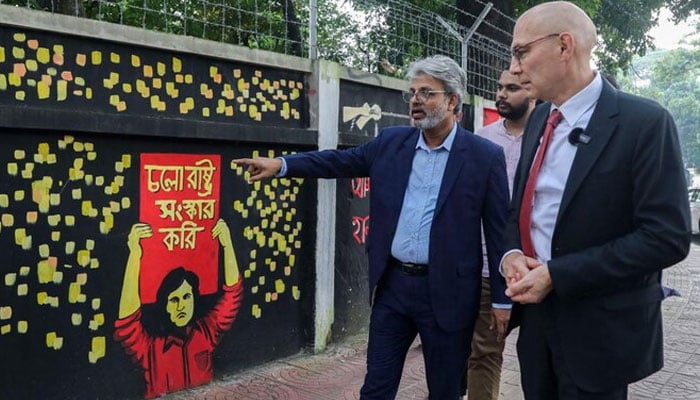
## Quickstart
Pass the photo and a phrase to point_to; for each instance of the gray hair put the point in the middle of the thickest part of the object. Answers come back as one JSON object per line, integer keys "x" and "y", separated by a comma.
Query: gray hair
{"x": 444, "y": 69}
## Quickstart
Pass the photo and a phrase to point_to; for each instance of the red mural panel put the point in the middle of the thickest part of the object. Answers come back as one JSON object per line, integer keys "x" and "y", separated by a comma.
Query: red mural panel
{"x": 360, "y": 223}
{"x": 490, "y": 115}
{"x": 179, "y": 198}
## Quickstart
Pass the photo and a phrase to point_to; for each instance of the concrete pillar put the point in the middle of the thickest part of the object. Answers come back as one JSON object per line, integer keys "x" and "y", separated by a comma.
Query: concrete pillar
{"x": 326, "y": 103}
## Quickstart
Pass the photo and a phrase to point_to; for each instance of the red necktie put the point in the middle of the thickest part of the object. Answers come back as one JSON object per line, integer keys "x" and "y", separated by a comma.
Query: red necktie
{"x": 529, "y": 194}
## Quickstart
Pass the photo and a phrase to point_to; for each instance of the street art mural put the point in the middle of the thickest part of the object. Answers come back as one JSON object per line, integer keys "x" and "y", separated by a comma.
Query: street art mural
{"x": 179, "y": 202}
{"x": 115, "y": 256}
{"x": 64, "y": 72}
{"x": 365, "y": 109}
{"x": 177, "y": 352}
{"x": 126, "y": 249}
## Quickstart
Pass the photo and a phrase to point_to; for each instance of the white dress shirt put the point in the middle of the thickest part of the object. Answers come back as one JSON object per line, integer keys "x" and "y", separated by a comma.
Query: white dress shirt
{"x": 551, "y": 181}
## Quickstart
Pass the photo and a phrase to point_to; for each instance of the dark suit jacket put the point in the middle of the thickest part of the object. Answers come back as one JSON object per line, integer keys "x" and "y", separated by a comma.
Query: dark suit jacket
{"x": 624, "y": 217}
{"x": 474, "y": 188}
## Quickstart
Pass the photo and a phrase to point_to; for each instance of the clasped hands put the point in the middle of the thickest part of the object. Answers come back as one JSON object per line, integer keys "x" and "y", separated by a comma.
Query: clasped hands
{"x": 528, "y": 279}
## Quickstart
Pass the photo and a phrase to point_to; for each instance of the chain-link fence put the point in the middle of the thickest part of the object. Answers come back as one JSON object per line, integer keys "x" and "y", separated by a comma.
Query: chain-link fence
{"x": 381, "y": 36}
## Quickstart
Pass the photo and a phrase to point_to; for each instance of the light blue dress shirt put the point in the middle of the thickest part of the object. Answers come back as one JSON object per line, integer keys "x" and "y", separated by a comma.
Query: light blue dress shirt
{"x": 412, "y": 239}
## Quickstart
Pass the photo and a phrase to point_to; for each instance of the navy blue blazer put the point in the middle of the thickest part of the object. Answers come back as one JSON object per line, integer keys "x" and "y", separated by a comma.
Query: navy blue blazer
{"x": 624, "y": 216}
{"x": 474, "y": 189}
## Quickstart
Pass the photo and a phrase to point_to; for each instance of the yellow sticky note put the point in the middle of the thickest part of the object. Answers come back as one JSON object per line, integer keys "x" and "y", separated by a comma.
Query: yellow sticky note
{"x": 20, "y": 235}
{"x": 256, "y": 311}
{"x": 10, "y": 279}
{"x": 44, "y": 250}
{"x": 74, "y": 292}
{"x": 57, "y": 279}
{"x": 54, "y": 219}
{"x": 98, "y": 349}
{"x": 83, "y": 258}
{"x": 61, "y": 90}
{"x": 7, "y": 220}
{"x": 45, "y": 271}
{"x": 279, "y": 286}
{"x": 96, "y": 57}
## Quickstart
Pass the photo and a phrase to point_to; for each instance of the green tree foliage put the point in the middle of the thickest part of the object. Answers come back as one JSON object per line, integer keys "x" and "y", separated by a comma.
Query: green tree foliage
{"x": 623, "y": 27}
{"x": 671, "y": 78}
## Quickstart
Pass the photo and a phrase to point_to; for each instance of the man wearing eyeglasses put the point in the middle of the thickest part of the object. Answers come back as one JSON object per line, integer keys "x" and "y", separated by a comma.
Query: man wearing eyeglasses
{"x": 599, "y": 210}
{"x": 432, "y": 186}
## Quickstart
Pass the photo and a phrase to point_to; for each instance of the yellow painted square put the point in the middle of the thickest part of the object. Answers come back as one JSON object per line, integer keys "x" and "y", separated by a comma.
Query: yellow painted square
{"x": 76, "y": 319}
{"x": 70, "y": 247}
{"x": 44, "y": 250}
{"x": 114, "y": 58}
{"x": 55, "y": 236}
{"x": 54, "y": 219}
{"x": 24, "y": 270}
{"x": 4, "y": 200}
{"x": 22, "y": 289}
{"x": 96, "y": 57}
{"x": 55, "y": 199}
{"x": 69, "y": 220}
{"x": 10, "y": 279}
{"x": 12, "y": 170}
{"x": 57, "y": 278}
{"x": 5, "y": 329}
{"x": 22, "y": 326}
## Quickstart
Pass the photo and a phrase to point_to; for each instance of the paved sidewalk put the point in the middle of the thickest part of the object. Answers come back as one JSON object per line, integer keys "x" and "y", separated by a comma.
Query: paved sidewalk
{"x": 338, "y": 373}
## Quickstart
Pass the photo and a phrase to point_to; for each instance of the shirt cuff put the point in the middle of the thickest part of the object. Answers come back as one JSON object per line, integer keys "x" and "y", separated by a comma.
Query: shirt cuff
{"x": 509, "y": 252}
{"x": 283, "y": 171}
{"x": 499, "y": 306}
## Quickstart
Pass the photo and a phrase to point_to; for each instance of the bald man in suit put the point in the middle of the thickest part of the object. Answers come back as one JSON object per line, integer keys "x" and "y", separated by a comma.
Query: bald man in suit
{"x": 589, "y": 231}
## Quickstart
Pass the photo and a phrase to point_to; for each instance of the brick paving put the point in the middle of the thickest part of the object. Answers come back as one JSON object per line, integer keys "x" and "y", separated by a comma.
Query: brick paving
{"x": 337, "y": 374}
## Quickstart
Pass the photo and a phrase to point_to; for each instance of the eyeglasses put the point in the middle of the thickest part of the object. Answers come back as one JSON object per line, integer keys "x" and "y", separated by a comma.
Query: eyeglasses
{"x": 422, "y": 95}
{"x": 519, "y": 52}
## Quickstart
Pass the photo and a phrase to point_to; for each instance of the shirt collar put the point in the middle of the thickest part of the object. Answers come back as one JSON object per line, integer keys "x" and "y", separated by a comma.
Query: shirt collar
{"x": 582, "y": 101}
{"x": 446, "y": 144}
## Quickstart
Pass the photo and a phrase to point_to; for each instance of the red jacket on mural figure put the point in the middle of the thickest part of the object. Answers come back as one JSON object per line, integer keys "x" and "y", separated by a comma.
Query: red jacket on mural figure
{"x": 176, "y": 353}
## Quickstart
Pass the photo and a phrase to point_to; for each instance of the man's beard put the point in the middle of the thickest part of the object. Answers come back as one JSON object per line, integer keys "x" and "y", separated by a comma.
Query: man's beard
{"x": 513, "y": 113}
{"x": 433, "y": 117}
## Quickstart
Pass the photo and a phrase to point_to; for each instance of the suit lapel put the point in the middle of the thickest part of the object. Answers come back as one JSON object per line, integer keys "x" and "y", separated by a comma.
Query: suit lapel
{"x": 600, "y": 128}
{"x": 453, "y": 167}
{"x": 404, "y": 162}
